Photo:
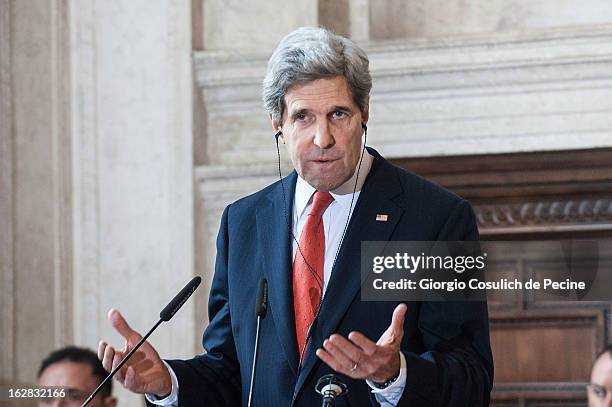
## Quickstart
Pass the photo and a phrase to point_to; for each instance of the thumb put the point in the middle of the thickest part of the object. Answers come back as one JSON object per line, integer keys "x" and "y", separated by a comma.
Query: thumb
{"x": 397, "y": 321}
{"x": 121, "y": 326}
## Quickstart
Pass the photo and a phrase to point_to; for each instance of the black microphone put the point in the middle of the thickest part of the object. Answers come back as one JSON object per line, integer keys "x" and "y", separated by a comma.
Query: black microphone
{"x": 164, "y": 316}
{"x": 180, "y": 299}
{"x": 330, "y": 387}
{"x": 261, "y": 302}
{"x": 261, "y": 309}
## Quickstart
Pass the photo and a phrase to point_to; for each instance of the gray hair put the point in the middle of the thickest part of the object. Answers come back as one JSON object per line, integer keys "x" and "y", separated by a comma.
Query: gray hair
{"x": 311, "y": 53}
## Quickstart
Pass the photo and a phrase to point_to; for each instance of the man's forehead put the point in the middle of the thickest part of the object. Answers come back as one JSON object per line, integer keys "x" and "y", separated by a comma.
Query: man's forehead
{"x": 319, "y": 94}
{"x": 602, "y": 369}
{"x": 67, "y": 373}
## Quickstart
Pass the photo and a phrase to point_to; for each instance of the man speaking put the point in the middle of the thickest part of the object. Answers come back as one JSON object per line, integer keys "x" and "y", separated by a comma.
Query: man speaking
{"x": 303, "y": 234}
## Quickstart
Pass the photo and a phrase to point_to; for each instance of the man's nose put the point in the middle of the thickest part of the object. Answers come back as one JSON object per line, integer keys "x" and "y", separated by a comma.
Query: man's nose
{"x": 323, "y": 137}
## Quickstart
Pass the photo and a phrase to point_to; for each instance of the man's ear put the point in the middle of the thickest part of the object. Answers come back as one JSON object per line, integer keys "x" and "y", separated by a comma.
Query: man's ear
{"x": 274, "y": 122}
{"x": 276, "y": 127}
{"x": 365, "y": 115}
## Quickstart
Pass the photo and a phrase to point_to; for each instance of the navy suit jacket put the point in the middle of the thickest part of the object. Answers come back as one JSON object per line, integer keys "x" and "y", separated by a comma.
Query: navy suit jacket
{"x": 446, "y": 344}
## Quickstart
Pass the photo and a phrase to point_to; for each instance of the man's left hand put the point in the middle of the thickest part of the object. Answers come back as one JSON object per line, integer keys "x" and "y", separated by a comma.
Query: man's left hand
{"x": 360, "y": 358}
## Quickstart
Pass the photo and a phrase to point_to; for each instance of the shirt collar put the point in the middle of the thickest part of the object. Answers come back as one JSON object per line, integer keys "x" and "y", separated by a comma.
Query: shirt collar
{"x": 342, "y": 194}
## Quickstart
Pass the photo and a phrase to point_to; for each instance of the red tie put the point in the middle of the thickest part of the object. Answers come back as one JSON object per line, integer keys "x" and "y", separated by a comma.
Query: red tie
{"x": 307, "y": 283}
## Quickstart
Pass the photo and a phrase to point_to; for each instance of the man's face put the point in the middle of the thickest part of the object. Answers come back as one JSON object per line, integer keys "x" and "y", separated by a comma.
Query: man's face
{"x": 600, "y": 388}
{"x": 78, "y": 381}
{"x": 322, "y": 131}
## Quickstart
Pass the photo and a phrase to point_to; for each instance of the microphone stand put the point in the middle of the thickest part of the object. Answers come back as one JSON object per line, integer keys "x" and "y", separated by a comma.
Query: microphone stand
{"x": 255, "y": 354}
{"x": 261, "y": 308}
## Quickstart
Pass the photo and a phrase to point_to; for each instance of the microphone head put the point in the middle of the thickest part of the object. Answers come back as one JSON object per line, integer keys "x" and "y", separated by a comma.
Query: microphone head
{"x": 177, "y": 302}
{"x": 261, "y": 301}
{"x": 330, "y": 386}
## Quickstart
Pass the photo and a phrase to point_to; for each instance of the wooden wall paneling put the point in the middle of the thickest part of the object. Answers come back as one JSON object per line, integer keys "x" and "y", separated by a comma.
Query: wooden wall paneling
{"x": 543, "y": 349}
{"x": 525, "y": 340}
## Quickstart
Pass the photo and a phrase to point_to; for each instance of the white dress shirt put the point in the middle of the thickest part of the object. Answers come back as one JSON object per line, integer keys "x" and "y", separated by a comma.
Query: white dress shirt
{"x": 334, "y": 222}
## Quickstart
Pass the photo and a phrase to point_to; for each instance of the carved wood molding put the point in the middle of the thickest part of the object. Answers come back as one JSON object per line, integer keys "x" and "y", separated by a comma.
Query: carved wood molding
{"x": 539, "y": 394}
{"x": 536, "y": 192}
{"x": 542, "y": 386}
{"x": 556, "y": 212}
{"x": 550, "y": 318}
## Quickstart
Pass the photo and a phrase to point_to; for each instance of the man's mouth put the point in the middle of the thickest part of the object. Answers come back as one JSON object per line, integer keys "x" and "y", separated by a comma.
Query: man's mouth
{"x": 324, "y": 160}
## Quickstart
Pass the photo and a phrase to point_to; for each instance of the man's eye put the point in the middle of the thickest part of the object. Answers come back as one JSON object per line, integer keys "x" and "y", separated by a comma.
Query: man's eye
{"x": 339, "y": 114}
{"x": 300, "y": 117}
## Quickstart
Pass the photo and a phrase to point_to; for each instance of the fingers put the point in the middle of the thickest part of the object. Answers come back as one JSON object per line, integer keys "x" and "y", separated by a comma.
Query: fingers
{"x": 101, "y": 347}
{"x": 345, "y": 346}
{"x": 130, "y": 378}
{"x": 359, "y": 357}
{"x": 108, "y": 354}
{"x": 367, "y": 345}
{"x": 397, "y": 321}
{"x": 120, "y": 375}
{"x": 121, "y": 326}
{"x": 110, "y": 359}
{"x": 332, "y": 362}
{"x": 345, "y": 358}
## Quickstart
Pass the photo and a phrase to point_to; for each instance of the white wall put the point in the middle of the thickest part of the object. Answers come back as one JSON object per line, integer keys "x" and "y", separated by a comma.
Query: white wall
{"x": 100, "y": 152}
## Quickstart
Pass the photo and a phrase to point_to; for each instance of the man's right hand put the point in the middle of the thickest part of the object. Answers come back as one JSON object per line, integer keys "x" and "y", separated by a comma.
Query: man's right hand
{"x": 144, "y": 372}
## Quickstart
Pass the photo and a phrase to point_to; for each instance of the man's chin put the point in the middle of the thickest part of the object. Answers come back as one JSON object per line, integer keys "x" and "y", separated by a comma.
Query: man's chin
{"x": 326, "y": 180}
{"x": 324, "y": 184}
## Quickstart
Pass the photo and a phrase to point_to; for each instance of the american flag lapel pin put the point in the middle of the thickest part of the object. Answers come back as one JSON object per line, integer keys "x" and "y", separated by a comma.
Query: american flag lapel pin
{"x": 382, "y": 217}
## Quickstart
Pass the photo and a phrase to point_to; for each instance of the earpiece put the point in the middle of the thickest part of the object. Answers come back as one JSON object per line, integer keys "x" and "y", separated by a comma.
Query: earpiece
{"x": 364, "y": 127}
{"x": 278, "y": 134}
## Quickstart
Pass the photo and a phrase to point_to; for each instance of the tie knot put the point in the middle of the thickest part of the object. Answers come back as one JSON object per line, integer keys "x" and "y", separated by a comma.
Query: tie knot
{"x": 320, "y": 202}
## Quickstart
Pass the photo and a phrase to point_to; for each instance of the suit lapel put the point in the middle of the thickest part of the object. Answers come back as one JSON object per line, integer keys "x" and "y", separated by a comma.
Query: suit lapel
{"x": 375, "y": 198}
{"x": 273, "y": 233}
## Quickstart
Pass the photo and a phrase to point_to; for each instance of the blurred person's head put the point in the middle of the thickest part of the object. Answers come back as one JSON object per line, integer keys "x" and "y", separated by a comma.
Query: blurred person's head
{"x": 78, "y": 371}
{"x": 600, "y": 385}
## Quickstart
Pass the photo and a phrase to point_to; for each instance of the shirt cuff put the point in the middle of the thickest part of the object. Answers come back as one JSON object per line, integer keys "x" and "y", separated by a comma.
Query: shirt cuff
{"x": 172, "y": 399}
{"x": 391, "y": 395}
